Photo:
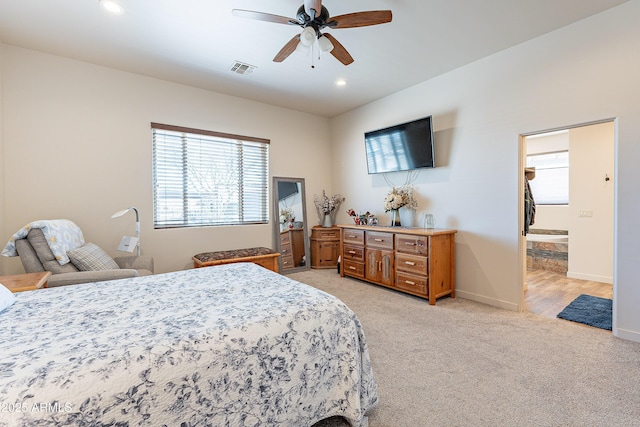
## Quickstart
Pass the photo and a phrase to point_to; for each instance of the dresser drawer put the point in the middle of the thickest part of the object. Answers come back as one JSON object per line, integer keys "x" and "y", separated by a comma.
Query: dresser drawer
{"x": 353, "y": 236}
{"x": 411, "y": 244}
{"x": 412, "y": 283}
{"x": 354, "y": 253}
{"x": 285, "y": 249}
{"x": 287, "y": 261}
{"x": 355, "y": 269}
{"x": 379, "y": 239}
{"x": 284, "y": 238}
{"x": 412, "y": 264}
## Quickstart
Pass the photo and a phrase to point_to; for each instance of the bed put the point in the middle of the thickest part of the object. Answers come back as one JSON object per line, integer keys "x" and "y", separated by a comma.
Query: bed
{"x": 233, "y": 345}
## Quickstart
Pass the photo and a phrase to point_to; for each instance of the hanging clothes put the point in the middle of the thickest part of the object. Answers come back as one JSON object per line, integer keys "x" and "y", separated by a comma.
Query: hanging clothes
{"x": 529, "y": 206}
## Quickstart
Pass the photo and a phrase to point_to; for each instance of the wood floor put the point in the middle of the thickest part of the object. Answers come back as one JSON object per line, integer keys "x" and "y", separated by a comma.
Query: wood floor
{"x": 548, "y": 292}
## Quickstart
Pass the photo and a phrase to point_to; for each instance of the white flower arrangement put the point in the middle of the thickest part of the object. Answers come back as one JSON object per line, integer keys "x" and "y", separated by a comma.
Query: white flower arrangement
{"x": 285, "y": 215}
{"x": 399, "y": 197}
{"x": 327, "y": 205}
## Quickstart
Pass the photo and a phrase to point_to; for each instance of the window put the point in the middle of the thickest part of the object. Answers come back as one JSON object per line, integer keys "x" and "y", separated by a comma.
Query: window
{"x": 203, "y": 178}
{"x": 551, "y": 184}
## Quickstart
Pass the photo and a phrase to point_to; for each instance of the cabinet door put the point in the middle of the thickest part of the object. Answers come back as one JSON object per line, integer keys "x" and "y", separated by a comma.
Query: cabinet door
{"x": 379, "y": 266}
{"x": 328, "y": 254}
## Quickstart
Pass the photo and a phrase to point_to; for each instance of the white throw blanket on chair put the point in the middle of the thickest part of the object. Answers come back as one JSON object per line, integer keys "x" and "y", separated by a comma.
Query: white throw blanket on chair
{"x": 62, "y": 235}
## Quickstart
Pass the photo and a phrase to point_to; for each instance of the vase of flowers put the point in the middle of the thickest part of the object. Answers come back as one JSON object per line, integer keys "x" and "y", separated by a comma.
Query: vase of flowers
{"x": 327, "y": 207}
{"x": 397, "y": 198}
{"x": 286, "y": 217}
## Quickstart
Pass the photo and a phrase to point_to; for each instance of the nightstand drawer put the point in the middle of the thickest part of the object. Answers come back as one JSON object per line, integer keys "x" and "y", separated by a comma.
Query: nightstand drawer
{"x": 325, "y": 233}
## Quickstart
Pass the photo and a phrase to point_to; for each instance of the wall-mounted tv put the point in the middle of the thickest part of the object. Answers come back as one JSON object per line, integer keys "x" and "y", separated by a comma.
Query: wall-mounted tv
{"x": 402, "y": 147}
{"x": 286, "y": 189}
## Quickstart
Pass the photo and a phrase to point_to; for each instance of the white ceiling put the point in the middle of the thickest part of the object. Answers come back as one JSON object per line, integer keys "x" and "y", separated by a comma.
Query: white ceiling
{"x": 195, "y": 42}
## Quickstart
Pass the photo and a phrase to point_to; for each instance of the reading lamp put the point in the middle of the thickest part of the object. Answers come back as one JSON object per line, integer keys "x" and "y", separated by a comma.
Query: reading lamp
{"x": 125, "y": 242}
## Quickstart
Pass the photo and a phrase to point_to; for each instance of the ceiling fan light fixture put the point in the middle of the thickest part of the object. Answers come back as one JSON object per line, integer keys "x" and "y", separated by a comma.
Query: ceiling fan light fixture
{"x": 325, "y": 44}
{"x": 308, "y": 36}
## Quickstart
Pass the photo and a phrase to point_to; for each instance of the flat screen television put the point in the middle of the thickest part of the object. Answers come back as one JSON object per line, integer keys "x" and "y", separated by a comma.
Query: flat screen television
{"x": 286, "y": 189}
{"x": 402, "y": 147}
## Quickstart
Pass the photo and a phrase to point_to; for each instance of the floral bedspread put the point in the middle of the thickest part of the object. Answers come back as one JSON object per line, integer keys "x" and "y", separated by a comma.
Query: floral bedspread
{"x": 233, "y": 345}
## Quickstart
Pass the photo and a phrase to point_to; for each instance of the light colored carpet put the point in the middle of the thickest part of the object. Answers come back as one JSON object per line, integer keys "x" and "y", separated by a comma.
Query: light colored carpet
{"x": 460, "y": 363}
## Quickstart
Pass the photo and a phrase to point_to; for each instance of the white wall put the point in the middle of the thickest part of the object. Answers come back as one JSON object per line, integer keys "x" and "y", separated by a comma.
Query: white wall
{"x": 77, "y": 144}
{"x": 591, "y": 238}
{"x": 579, "y": 74}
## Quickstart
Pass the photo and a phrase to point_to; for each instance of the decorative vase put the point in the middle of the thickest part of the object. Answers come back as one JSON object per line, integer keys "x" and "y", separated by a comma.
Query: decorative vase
{"x": 326, "y": 222}
{"x": 395, "y": 218}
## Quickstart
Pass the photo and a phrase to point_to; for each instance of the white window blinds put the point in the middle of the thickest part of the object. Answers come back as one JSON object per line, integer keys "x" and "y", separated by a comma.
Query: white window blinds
{"x": 551, "y": 184}
{"x": 203, "y": 178}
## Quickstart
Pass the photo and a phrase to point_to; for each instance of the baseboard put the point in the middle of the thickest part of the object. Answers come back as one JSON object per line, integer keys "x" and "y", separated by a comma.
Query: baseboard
{"x": 591, "y": 277}
{"x": 627, "y": 335}
{"x": 488, "y": 301}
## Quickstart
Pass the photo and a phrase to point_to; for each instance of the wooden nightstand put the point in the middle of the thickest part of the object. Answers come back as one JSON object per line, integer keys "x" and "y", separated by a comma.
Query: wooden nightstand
{"x": 325, "y": 246}
{"x": 25, "y": 282}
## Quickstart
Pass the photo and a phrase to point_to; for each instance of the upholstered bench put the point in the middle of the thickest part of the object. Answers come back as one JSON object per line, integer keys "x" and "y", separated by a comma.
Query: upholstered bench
{"x": 264, "y": 257}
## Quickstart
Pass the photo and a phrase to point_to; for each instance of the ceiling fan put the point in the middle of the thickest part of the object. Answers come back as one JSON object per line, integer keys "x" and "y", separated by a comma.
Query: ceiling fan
{"x": 313, "y": 17}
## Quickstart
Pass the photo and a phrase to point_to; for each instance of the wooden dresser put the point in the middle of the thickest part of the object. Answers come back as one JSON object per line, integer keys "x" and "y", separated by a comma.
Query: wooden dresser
{"x": 325, "y": 246}
{"x": 292, "y": 248}
{"x": 413, "y": 260}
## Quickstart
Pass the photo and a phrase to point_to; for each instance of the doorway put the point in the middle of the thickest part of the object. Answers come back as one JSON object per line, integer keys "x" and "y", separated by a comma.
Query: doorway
{"x": 568, "y": 249}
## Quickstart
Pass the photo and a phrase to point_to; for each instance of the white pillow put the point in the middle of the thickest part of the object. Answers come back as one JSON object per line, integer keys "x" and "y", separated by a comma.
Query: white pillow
{"x": 7, "y": 298}
{"x": 90, "y": 257}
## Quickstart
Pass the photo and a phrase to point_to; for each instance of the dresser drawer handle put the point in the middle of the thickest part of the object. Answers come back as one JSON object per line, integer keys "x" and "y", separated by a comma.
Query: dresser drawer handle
{"x": 352, "y": 268}
{"x": 379, "y": 240}
{"x": 409, "y": 282}
{"x": 352, "y": 236}
{"x": 409, "y": 243}
{"x": 410, "y": 263}
{"x": 351, "y": 252}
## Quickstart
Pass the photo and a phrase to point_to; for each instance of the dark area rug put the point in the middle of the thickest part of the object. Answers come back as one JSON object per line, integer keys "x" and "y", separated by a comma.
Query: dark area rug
{"x": 590, "y": 310}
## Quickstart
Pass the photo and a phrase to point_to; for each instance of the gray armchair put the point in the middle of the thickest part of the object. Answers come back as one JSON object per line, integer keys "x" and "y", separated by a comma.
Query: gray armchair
{"x": 36, "y": 256}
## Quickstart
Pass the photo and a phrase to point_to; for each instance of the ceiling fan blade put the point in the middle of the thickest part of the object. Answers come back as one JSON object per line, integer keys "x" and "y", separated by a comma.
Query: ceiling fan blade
{"x": 260, "y": 16}
{"x": 288, "y": 49}
{"x": 360, "y": 19}
{"x": 339, "y": 52}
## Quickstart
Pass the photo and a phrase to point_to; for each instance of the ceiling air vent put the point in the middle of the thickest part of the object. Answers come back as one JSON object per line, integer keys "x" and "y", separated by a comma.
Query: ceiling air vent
{"x": 242, "y": 68}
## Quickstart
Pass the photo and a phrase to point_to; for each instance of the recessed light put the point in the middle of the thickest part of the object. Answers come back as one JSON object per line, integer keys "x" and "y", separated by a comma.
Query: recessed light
{"x": 112, "y": 6}
{"x": 341, "y": 82}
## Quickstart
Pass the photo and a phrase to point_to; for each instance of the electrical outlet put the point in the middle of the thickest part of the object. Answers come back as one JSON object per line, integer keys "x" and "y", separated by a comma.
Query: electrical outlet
{"x": 585, "y": 213}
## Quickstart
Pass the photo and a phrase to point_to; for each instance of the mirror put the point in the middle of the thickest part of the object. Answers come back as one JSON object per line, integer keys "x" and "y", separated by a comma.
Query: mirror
{"x": 290, "y": 224}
